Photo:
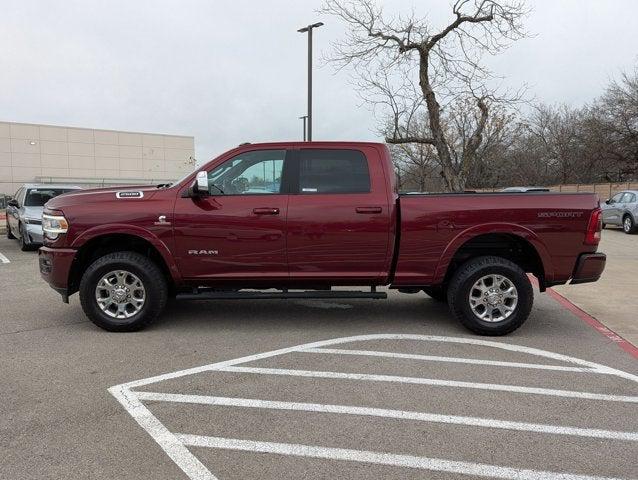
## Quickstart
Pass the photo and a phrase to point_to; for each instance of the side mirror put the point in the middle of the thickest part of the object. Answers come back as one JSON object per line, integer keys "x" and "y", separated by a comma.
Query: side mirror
{"x": 202, "y": 182}
{"x": 608, "y": 201}
{"x": 13, "y": 203}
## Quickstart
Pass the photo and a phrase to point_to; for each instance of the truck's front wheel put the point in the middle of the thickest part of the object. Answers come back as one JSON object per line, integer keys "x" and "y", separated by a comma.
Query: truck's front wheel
{"x": 490, "y": 295}
{"x": 123, "y": 292}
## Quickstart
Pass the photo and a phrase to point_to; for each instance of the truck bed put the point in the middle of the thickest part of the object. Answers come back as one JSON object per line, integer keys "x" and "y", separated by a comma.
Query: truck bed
{"x": 434, "y": 226}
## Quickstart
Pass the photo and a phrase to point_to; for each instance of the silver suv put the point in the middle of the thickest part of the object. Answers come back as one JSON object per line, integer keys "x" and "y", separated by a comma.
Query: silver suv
{"x": 622, "y": 210}
{"x": 24, "y": 212}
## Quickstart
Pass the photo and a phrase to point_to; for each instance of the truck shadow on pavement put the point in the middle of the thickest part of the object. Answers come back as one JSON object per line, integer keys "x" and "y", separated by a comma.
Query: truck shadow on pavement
{"x": 418, "y": 311}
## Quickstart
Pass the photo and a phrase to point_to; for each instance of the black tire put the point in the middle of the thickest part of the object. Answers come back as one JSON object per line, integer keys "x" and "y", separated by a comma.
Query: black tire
{"x": 151, "y": 277}
{"x": 438, "y": 294}
{"x": 10, "y": 234}
{"x": 628, "y": 224}
{"x": 461, "y": 287}
{"x": 23, "y": 239}
{"x": 604, "y": 226}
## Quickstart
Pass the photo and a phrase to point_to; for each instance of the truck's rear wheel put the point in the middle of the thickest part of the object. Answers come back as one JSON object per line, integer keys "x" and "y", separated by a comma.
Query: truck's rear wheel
{"x": 123, "y": 292}
{"x": 490, "y": 295}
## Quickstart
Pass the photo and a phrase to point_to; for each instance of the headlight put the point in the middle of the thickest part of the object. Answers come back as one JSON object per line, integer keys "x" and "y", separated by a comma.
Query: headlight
{"x": 54, "y": 225}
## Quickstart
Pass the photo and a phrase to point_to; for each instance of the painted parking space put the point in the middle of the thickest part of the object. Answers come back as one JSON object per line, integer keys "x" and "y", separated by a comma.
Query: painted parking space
{"x": 283, "y": 403}
{"x": 3, "y": 258}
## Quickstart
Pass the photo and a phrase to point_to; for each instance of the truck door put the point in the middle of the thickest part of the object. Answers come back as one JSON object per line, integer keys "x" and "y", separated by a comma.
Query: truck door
{"x": 339, "y": 219}
{"x": 238, "y": 231}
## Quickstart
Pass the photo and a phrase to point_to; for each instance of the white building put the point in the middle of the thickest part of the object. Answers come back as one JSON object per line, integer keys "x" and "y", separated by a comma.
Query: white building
{"x": 85, "y": 156}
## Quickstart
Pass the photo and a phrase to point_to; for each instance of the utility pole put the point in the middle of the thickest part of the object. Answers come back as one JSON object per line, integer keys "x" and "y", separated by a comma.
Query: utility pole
{"x": 304, "y": 118}
{"x": 309, "y": 29}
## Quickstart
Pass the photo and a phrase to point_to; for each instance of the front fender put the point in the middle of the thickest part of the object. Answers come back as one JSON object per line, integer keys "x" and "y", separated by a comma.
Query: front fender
{"x": 497, "y": 227}
{"x": 125, "y": 229}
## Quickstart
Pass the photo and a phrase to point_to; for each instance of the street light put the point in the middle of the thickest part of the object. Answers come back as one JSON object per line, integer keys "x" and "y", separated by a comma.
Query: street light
{"x": 304, "y": 118}
{"x": 309, "y": 29}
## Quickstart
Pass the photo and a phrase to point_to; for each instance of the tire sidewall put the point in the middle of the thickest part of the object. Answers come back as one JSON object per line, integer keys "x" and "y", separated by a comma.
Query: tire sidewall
{"x": 152, "y": 305}
{"x": 523, "y": 306}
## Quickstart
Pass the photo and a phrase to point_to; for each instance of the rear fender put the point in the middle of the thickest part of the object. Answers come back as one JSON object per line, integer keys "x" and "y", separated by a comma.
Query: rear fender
{"x": 502, "y": 228}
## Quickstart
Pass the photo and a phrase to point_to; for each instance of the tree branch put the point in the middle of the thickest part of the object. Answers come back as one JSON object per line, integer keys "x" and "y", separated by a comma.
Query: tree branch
{"x": 401, "y": 140}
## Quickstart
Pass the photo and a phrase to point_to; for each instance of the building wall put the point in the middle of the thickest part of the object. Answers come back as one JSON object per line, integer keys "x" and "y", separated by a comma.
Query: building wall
{"x": 46, "y": 153}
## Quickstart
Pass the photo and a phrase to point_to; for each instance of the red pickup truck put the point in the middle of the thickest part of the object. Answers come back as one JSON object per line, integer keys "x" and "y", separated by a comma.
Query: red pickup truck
{"x": 295, "y": 220}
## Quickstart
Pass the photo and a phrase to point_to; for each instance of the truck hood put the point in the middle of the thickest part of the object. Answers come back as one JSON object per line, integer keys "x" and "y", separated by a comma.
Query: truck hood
{"x": 96, "y": 195}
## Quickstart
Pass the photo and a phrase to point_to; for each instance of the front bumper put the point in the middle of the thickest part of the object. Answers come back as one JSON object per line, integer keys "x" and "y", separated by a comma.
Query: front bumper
{"x": 589, "y": 268}
{"x": 55, "y": 266}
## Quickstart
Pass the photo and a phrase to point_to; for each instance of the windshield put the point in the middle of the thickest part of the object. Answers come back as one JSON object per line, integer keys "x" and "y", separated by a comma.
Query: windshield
{"x": 37, "y": 197}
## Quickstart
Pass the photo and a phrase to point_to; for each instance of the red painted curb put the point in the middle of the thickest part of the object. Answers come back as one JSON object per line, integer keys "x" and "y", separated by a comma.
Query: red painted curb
{"x": 627, "y": 346}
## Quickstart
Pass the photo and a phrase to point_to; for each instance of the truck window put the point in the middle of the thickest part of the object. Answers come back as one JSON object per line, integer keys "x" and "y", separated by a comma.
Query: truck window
{"x": 333, "y": 171}
{"x": 249, "y": 173}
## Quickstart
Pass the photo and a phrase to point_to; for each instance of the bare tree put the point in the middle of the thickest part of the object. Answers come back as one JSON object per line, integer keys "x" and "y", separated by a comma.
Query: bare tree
{"x": 414, "y": 70}
{"x": 616, "y": 116}
{"x": 416, "y": 166}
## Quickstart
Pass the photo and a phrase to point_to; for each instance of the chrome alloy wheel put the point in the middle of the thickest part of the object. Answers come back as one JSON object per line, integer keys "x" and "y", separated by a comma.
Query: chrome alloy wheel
{"x": 120, "y": 294}
{"x": 493, "y": 298}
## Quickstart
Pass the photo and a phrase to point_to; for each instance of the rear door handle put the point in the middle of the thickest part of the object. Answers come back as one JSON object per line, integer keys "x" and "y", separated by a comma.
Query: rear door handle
{"x": 368, "y": 209}
{"x": 266, "y": 211}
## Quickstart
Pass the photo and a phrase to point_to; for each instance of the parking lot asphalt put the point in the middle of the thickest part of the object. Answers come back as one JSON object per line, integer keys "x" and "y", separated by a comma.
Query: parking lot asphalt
{"x": 306, "y": 389}
{"x": 614, "y": 298}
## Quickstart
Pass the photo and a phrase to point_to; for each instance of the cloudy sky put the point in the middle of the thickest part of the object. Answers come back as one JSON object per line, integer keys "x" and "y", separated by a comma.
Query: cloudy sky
{"x": 229, "y": 71}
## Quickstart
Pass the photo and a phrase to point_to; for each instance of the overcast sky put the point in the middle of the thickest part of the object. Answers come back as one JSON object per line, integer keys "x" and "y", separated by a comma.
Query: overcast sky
{"x": 232, "y": 71}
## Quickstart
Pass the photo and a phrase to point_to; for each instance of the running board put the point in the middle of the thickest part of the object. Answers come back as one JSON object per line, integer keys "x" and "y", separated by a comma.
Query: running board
{"x": 255, "y": 295}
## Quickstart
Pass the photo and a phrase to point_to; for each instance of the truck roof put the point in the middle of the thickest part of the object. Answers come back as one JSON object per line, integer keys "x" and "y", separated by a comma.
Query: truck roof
{"x": 334, "y": 144}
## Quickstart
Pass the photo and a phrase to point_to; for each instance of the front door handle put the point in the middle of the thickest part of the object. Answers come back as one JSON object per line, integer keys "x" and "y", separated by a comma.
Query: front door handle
{"x": 368, "y": 210}
{"x": 266, "y": 211}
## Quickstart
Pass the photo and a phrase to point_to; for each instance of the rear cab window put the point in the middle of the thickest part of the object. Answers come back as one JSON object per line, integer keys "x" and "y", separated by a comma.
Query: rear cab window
{"x": 333, "y": 171}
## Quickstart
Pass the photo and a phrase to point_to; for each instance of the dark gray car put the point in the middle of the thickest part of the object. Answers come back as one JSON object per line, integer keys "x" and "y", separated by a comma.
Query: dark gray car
{"x": 622, "y": 210}
{"x": 24, "y": 212}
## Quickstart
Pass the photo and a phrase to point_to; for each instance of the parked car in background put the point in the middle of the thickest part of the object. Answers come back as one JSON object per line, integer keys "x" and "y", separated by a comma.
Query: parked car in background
{"x": 525, "y": 189}
{"x": 3, "y": 200}
{"x": 622, "y": 210}
{"x": 24, "y": 212}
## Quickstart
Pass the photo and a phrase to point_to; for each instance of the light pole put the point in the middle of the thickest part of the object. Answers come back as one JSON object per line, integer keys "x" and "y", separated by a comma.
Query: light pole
{"x": 304, "y": 118}
{"x": 309, "y": 29}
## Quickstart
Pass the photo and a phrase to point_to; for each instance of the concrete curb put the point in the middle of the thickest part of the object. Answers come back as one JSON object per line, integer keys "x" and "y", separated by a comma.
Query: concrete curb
{"x": 626, "y": 345}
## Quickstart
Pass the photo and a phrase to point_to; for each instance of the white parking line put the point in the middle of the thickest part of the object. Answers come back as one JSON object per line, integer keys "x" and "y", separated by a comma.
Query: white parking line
{"x": 406, "y": 461}
{"x": 436, "y": 358}
{"x": 387, "y": 413}
{"x": 169, "y": 443}
{"x": 431, "y": 381}
{"x": 175, "y": 444}
{"x": 4, "y": 259}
